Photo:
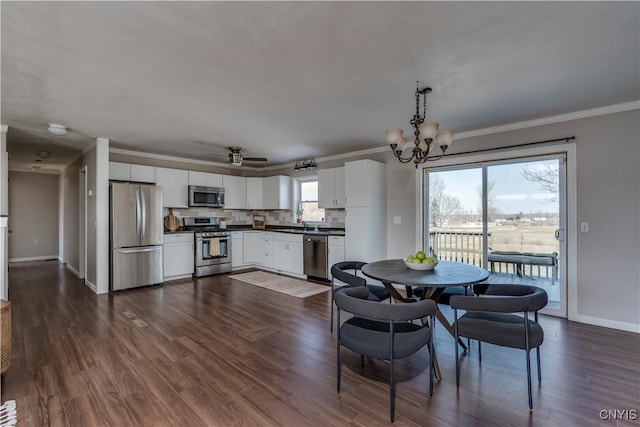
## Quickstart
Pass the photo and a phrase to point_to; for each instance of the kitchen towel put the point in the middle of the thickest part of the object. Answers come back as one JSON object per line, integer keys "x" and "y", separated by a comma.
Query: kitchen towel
{"x": 214, "y": 247}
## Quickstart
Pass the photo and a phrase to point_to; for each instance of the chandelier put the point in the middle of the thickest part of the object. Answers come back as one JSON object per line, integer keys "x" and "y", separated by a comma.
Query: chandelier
{"x": 426, "y": 134}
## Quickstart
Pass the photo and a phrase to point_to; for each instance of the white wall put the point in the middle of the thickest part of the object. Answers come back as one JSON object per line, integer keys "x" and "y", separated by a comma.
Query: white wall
{"x": 33, "y": 216}
{"x": 96, "y": 159}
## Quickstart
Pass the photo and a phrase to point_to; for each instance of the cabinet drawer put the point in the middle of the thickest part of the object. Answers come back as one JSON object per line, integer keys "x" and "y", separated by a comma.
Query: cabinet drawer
{"x": 178, "y": 238}
{"x": 286, "y": 237}
{"x": 336, "y": 240}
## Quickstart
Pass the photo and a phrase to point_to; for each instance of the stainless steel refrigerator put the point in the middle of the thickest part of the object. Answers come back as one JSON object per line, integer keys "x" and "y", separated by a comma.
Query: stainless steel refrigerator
{"x": 136, "y": 231}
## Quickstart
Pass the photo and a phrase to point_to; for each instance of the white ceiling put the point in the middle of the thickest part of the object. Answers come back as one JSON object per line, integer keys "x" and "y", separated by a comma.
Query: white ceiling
{"x": 296, "y": 80}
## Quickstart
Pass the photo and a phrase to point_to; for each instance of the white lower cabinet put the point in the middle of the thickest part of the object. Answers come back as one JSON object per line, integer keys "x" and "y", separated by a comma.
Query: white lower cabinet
{"x": 178, "y": 256}
{"x": 335, "y": 252}
{"x": 265, "y": 258}
{"x": 258, "y": 249}
{"x": 251, "y": 247}
{"x": 237, "y": 249}
{"x": 288, "y": 253}
{"x": 280, "y": 252}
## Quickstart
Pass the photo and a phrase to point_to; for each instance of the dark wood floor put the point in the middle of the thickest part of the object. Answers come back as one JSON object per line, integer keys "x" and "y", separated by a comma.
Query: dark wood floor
{"x": 217, "y": 352}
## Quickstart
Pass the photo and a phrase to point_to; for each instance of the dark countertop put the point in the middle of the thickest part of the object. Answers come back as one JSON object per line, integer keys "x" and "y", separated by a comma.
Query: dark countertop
{"x": 278, "y": 228}
{"x": 322, "y": 231}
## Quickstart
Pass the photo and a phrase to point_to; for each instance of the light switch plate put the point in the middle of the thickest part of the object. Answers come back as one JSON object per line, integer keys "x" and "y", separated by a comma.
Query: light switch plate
{"x": 584, "y": 227}
{"x": 397, "y": 220}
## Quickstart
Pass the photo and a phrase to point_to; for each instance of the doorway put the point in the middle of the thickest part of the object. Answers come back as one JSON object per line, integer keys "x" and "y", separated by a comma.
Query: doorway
{"x": 507, "y": 216}
{"x": 82, "y": 215}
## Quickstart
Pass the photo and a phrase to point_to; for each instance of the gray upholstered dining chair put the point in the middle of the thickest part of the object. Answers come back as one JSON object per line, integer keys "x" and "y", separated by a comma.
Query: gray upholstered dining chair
{"x": 340, "y": 272}
{"x": 490, "y": 317}
{"x": 383, "y": 331}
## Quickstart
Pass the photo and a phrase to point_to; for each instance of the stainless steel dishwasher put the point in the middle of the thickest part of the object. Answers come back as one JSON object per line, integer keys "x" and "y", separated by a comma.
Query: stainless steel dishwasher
{"x": 315, "y": 255}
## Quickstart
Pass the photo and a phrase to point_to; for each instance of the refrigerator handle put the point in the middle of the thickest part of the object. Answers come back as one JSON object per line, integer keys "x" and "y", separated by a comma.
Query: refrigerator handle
{"x": 138, "y": 212}
{"x": 143, "y": 226}
{"x": 137, "y": 250}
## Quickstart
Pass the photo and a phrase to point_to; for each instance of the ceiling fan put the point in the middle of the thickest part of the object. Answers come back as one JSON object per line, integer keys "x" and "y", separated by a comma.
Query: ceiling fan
{"x": 236, "y": 158}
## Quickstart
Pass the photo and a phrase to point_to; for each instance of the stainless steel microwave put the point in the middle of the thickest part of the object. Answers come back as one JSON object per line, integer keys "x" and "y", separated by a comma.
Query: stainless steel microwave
{"x": 212, "y": 197}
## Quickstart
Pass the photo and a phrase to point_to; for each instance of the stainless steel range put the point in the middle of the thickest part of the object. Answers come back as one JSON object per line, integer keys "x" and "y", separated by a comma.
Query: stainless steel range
{"x": 212, "y": 253}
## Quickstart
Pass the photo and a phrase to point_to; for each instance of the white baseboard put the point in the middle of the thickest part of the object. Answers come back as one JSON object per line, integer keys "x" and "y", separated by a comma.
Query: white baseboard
{"x": 91, "y": 286}
{"x": 613, "y": 324}
{"x": 73, "y": 270}
{"x": 34, "y": 258}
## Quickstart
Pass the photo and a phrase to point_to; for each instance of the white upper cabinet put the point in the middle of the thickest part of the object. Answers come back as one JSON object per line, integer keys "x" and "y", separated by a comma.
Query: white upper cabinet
{"x": 175, "y": 184}
{"x": 119, "y": 171}
{"x": 364, "y": 181}
{"x": 331, "y": 188}
{"x": 198, "y": 178}
{"x": 254, "y": 193}
{"x": 340, "y": 189}
{"x": 142, "y": 173}
{"x": 276, "y": 192}
{"x": 128, "y": 172}
{"x": 235, "y": 192}
{"x": 214, "y": 180}
{"x": 205, "y": 179}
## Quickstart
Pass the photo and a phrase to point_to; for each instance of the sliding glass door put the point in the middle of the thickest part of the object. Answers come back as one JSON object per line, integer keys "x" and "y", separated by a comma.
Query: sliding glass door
{"x": 506, "y": 216}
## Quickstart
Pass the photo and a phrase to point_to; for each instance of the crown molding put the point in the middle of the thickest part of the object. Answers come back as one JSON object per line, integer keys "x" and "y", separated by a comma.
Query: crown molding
{"x": 601, "y": 111}
{"x": 179, "y": 159}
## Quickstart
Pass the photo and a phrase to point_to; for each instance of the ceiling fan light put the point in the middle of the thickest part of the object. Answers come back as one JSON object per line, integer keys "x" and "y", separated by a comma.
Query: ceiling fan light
{"x": 444, "y": 138}
{"x": 43, "y": 154}
{"x": 393, "y": 135}
{"x": 236, "y": 159}
{"x": 428, "y": 130}
{"x": 58, "y": 130}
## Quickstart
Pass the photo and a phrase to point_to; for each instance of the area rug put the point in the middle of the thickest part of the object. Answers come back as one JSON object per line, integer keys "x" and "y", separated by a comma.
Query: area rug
{"x": 283, "y": 284}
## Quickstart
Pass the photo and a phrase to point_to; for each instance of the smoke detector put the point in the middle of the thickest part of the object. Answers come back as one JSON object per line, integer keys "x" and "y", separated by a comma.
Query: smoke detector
{"x": 57, "y": 129}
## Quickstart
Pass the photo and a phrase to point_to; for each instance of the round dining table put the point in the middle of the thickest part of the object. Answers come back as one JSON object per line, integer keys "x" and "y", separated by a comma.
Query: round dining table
{"x": 445, "y": 274}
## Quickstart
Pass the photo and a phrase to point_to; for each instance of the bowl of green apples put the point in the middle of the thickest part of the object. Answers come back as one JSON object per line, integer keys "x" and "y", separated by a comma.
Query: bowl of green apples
{"x": 420, "y": 261}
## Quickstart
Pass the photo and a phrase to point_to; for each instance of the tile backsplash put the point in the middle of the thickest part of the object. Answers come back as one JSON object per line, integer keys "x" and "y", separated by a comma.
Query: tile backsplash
{"x": 334, "y": 217}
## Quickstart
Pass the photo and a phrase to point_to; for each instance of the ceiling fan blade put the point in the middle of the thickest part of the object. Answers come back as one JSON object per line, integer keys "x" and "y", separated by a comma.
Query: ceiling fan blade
{"x": 255, "y": 159}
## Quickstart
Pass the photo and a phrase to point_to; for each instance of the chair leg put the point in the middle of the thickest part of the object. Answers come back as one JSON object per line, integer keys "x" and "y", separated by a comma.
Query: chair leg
{"x": 455, "y": 329}
{"x": 527, "y": 349}
{"x": 392, "y": 391}
{"x": 538, "y": 354}
{"x": 479, "y": 351}
{"x": 338, "y": 364}
{"x": 332, "y": 304}
{"x": 538, "y": 357}
{"x": 432, "y": 355}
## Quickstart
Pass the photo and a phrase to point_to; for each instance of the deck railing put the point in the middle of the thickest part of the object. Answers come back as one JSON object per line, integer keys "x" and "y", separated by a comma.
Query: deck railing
{"x": 466, "y": 246}
{"x": 460, "y": 246}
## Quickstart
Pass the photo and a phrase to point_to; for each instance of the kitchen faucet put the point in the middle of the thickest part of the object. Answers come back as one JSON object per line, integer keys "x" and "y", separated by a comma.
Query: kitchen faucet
{"x": 306, "y": 226}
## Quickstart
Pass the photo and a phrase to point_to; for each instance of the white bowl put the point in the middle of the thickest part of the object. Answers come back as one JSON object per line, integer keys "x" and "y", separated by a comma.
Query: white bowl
{"x": 415, "y": 266}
